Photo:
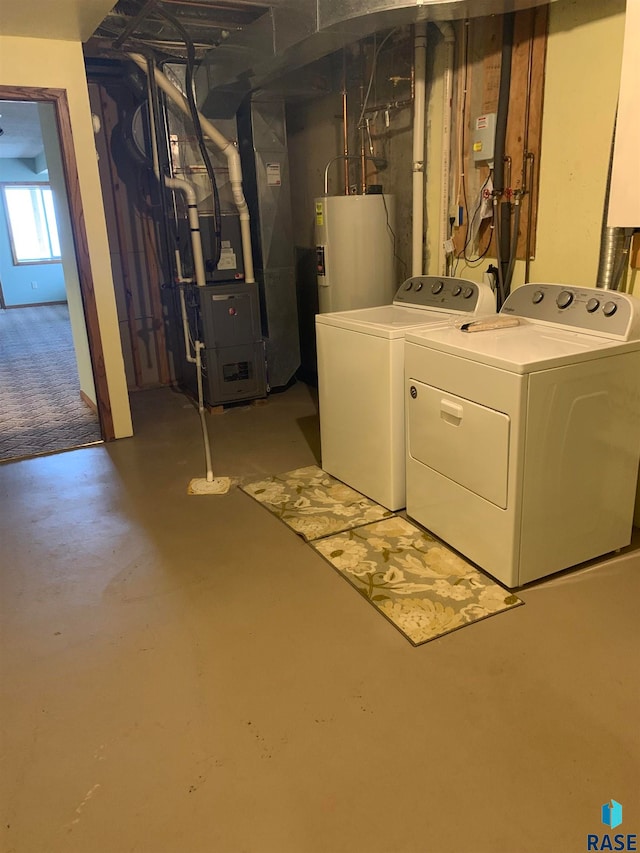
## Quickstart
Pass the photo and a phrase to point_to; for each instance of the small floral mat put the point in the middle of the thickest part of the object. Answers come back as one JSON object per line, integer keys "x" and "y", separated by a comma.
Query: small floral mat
{"x": 313, "y": 503}
{"x": 421, "y": 586}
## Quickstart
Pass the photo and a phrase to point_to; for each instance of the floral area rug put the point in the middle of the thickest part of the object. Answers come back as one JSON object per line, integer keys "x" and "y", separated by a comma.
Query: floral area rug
{"x": 313, "y": 503}
{"x": 422, "y": 587}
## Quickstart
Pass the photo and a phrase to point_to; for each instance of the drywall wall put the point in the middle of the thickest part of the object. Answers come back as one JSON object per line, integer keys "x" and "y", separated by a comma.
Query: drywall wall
{"x": 59, "y": 64}
{"x": 53, "y": 154}
{"x": 18, "y": 279}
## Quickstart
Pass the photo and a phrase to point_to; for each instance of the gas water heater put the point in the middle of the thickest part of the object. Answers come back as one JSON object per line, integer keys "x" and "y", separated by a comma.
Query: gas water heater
{"x": 355, "y": 237}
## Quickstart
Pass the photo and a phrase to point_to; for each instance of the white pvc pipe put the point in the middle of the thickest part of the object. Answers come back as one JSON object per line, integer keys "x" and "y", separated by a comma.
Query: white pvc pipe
{"x": 225, "y": 146}
{"x": 188, "y": 190}
{"x": 420, "y": 65}
{"x": 448, "y": 33}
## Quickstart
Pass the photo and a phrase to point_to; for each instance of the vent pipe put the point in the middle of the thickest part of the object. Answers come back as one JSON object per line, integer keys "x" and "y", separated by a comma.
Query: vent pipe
{"x": 615, "y": 243}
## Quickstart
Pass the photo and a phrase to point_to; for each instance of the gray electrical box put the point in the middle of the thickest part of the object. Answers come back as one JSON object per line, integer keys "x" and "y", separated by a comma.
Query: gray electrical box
{"x": 483, "y": 138}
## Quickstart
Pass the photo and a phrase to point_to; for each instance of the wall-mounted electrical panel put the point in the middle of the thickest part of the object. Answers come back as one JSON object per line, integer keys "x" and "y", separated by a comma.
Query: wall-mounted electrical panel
{"x": 483, "y": 138}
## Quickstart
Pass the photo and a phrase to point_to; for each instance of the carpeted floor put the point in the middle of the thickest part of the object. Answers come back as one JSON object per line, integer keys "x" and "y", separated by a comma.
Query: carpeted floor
{"x": 40, "y": 406}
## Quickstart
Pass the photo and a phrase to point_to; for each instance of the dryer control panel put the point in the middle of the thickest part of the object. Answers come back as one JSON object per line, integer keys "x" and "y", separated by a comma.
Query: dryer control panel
{"x": 608, "y": 313}
{"x": 446, "y": 293}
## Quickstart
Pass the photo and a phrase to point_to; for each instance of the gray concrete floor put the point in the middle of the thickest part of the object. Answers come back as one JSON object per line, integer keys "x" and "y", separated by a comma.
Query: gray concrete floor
{"x": 183, "y": 674}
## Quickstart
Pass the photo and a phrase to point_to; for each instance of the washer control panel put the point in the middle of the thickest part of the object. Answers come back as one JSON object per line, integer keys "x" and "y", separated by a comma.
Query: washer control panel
{"x": 445, "y": 293}
{"x": 586, "y": 309}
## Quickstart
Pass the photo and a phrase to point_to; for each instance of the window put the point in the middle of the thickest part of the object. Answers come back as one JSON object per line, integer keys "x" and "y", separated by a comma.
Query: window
{"x": 32, "y": 223}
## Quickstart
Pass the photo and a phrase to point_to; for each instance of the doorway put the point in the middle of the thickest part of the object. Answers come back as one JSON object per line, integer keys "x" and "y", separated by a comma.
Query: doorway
{"x": 60, "y": 286}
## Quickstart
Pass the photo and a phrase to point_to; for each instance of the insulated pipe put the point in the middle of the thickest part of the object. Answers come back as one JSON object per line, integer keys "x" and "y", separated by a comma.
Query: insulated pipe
{"x": 504, "y": 210}
{"x": 448, "y": 33}
{"x": 503, "y": 101}
{"x": 225, "y": 146}
{"x": 420, "y": 66}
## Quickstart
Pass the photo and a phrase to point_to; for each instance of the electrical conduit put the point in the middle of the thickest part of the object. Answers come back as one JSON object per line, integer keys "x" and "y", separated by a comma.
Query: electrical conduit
{"x": 448, "y": 34}
{"x": 419, "y": 108}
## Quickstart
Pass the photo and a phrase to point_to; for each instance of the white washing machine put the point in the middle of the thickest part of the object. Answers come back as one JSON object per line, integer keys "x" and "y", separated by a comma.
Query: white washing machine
{"x": 523, "y": 442}
{"x": 361, "y": 380}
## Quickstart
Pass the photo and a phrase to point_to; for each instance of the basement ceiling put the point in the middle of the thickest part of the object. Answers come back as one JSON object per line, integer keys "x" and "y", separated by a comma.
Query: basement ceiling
{"x": 243, "y": 45}
{"x": 65, "y": 20}
{"x": 208, "y": 22}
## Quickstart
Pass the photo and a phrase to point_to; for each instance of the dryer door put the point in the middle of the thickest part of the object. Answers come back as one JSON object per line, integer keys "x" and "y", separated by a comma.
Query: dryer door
{"x": 464, "y": 441}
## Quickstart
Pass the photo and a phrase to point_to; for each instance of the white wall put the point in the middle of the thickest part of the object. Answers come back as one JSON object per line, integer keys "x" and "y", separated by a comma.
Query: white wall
{"x": 60, "y": 64}
{"x": 53, "y": 154}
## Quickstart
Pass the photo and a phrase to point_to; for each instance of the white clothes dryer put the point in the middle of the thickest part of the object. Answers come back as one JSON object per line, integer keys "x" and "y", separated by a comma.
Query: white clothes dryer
{"x": 361, "y": 380}
{"x": 523, "y": 442}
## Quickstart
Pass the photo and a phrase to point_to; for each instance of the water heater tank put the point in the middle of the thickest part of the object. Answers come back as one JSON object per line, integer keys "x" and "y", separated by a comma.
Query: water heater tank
{"x": 355, "y": 251}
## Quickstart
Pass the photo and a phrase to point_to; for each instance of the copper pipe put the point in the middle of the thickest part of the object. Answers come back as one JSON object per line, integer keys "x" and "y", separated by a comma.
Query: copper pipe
{"x": 361, "y": 129}
{"x": 345, "y": 123}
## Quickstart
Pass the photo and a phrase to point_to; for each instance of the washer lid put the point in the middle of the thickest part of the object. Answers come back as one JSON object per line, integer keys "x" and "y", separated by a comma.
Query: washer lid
{"x": 520, "y": 349}
{"x": 384, "y": 321}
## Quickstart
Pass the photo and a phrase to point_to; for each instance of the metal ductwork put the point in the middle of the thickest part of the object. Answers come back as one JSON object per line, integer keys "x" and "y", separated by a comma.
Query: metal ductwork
{"x": 293, "y": 33}
{"x": 615, "y": 243}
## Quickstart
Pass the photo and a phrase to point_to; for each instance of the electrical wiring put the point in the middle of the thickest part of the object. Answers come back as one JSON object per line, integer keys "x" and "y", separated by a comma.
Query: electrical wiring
{"x": 195, "y": 118}
{"x": 393, "y": 237}
{"x": 463, "y": 252}
{"x": 373, "y": 72}
{"x": 462, "y": 185}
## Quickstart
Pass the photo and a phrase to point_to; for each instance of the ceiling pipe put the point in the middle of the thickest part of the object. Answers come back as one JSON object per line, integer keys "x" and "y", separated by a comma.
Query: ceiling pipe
{"x": 419, "y": 108}
{"x": 225, "y": 146}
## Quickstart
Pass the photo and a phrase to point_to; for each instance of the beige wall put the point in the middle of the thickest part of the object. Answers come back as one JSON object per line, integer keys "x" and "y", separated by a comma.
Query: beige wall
{"x": 60, "y": 65}
{"x": 584, "y": 58}
{"x": 53, "y": 159}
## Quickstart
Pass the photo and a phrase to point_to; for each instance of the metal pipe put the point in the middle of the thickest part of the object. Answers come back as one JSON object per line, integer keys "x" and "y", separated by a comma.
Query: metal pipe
{"x": 361, "y": 126}
{"x": 334, "y": 160}
{"x": 612, "y": 240}
{"x": 345, "y": 126}
{"x": 419, "y": 108}
{"x": 449, "y": 41}
{"x": 527, "y": 111}
{"x": 531, "y": 158}
{"x": 503, "y": 101}
{"x": 611, "y": 251}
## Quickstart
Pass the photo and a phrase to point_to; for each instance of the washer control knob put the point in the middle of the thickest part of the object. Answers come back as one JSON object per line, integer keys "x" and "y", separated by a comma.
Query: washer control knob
{"x": 457, "y": 290}
{"x": 413, "y": 391}
{"x": 408, "y": 285}
{"x": 468, "y": 292}
{"x": 593, "y": 305}
{"x": 537, "y": 297}
{"x": 436, "y": 287}
{"x": 564, "y": 299}
{"x": 419, "y": 286}
{"x": 609, "y": 309}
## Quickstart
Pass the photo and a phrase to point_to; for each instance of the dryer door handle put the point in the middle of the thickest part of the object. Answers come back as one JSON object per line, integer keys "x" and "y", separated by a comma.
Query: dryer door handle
{"x": 451, "y": 412}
